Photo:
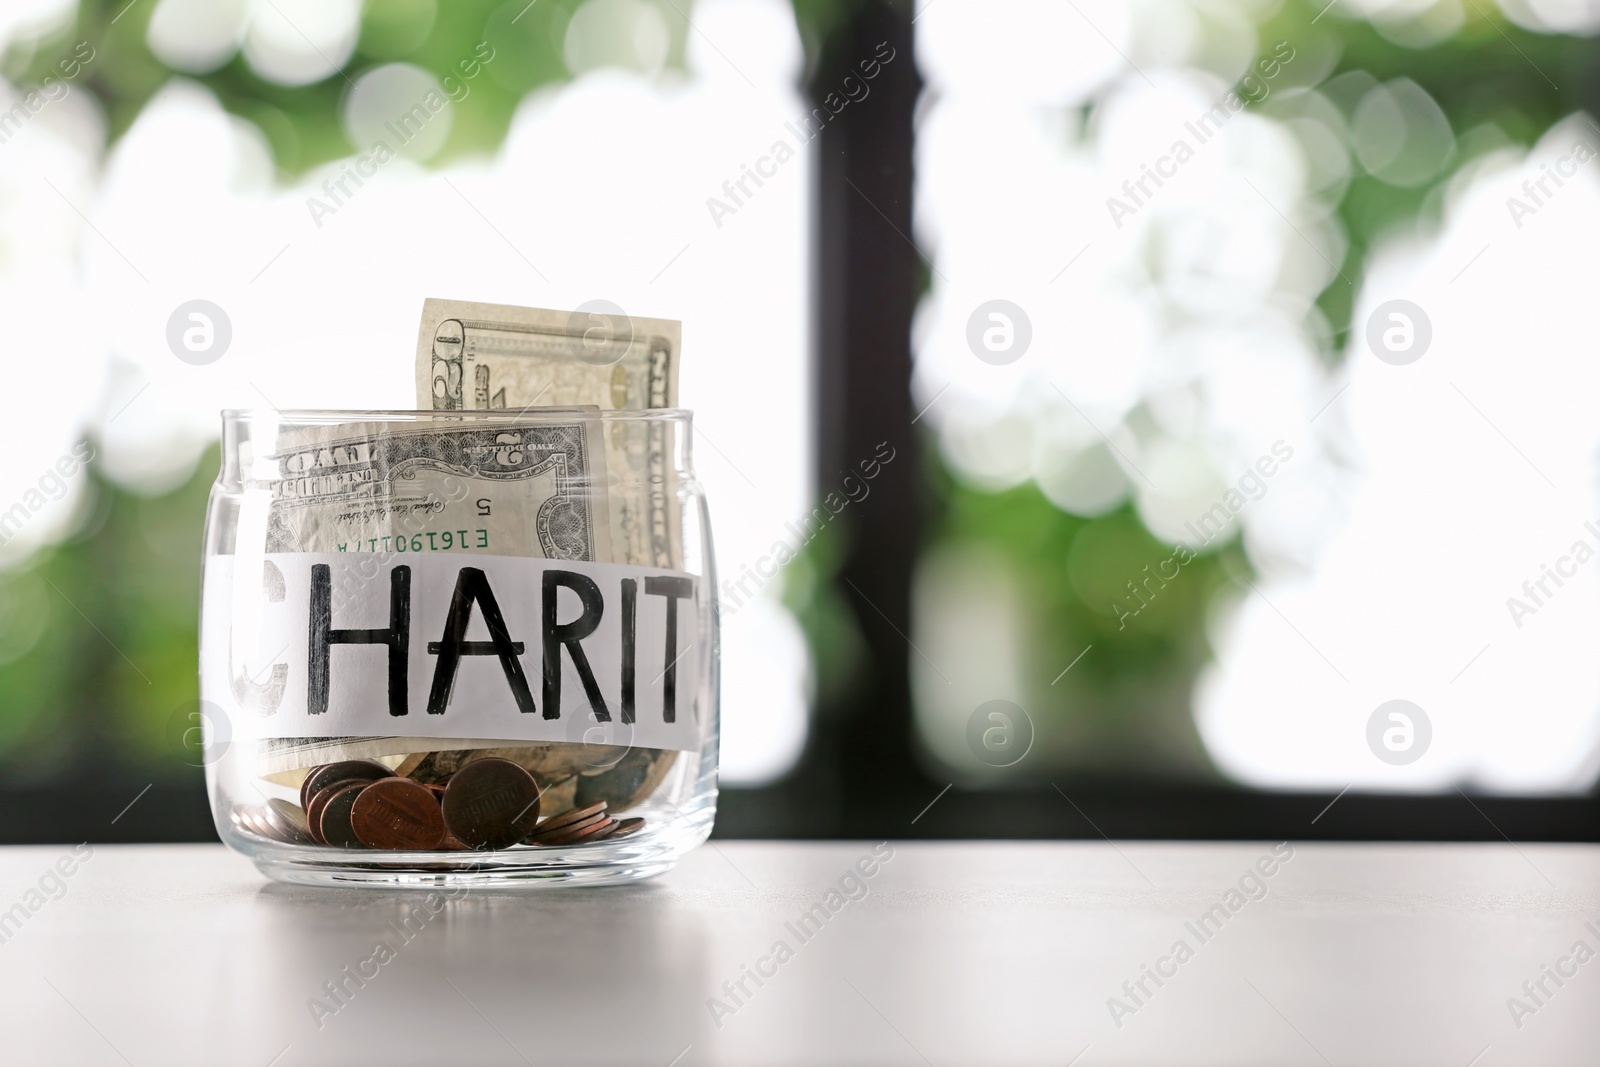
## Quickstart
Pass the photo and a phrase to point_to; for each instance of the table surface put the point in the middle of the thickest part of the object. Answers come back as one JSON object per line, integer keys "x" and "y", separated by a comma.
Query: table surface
{"x": 952, "y": 953}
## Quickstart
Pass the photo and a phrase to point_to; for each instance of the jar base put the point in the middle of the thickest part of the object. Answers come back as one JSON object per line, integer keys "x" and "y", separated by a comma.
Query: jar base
{"x": 500, "y": 873}
{"x": 515, "y": 869}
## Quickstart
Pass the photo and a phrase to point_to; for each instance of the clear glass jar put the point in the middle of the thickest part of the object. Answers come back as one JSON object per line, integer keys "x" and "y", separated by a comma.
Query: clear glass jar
{"x": 496, "y": 623}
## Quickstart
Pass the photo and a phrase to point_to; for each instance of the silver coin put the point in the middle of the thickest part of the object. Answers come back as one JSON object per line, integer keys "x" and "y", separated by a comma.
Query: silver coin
{"x": 287, "y": 821}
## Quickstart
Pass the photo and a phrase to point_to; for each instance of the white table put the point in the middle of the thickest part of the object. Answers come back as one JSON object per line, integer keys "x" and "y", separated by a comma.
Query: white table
{"x": 959, "y": 954}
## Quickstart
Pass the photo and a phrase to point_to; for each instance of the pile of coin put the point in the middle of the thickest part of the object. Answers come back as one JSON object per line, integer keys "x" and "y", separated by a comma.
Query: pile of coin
{"x": 486, "y": 804}
{"x": 277, "y": 819}
{"x": 580, "y": 825}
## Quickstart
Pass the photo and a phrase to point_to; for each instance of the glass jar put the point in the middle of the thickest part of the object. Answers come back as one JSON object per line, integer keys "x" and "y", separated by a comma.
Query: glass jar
{"x": 454, "y": 650}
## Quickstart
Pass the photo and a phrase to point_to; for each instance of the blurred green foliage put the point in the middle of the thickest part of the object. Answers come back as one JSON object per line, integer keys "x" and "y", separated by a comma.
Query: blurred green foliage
{"x": 1498, "y": 85}
{"x": 98, "y": 646}
{"x": 302, "y": 123}
{"x": 1089, "y": 581}
{"x": 1104, "y": 582}
{"x": 97, "y": 634}
{"x": 1491, "y": 74}
{"x": 810, "y": 590}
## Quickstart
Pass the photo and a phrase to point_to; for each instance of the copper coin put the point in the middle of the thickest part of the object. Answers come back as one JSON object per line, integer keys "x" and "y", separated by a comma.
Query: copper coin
{"x": 583, "y": 831}
{"x": 491, "y": 803}
{"x": 396, "y": 813}
{"x": 625, "y": 827}
{"x": 567, "y": 818}
{"x": 567, "y": 833}
{"x": 319, "y": 803}
{"x": 581, "y": 824}
{"x": 583, "y": 834}
{"x": 350, "y": 770}
{"x": 319, "y": 800}
{"x": 326, "y": 786}
{"x": 334, "y": 827}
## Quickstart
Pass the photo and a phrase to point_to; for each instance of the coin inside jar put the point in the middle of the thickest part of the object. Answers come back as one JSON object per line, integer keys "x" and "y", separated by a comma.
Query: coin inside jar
{"x": 352, "y": 770}
{"x": 334, "y": 827}
{"x": 556, "y": 835}
{"x": 578, "y": 833}
{"x": 251, "y": 820}
{"x": 287, "y": 821}
{"x": 319, "y": 800}
{"x": 396, "y": 813}
{"x": 318, "y": 804}
{"x": 567, "y": 818}
{"x": 491, "y": 803}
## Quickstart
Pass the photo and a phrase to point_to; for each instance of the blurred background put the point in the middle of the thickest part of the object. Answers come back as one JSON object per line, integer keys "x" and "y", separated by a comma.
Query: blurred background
{"x": 1172, "y": 417}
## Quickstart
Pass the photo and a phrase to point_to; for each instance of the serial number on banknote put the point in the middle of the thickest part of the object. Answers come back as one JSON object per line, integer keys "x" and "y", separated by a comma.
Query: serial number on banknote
{"x": 437, "y": 541}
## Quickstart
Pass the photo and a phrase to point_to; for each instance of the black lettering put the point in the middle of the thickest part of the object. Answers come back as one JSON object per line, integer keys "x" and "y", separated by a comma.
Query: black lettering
{"x": 630, "y": 622}
{"x": 324, "y": 637}
{"x": 472, "y": 586}
{"x": 674, "y": 589}
{"x": 570, "y": 634}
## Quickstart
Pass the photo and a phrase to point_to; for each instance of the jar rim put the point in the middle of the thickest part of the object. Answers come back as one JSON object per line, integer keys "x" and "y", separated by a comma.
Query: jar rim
{"x": 335, "y": 416}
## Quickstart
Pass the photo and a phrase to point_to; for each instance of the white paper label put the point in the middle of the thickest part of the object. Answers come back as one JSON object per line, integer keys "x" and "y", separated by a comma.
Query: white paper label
{"x": 329, "y": 644}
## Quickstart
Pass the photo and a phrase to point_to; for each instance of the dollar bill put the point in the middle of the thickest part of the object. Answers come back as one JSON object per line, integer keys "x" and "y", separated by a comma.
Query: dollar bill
{"x": 473, "y": 356}
{"x": 285, "y": 759}
{"x": 523, "y": 489}
{"x": 486, "y": 356}
{"x": 484, "y": 486}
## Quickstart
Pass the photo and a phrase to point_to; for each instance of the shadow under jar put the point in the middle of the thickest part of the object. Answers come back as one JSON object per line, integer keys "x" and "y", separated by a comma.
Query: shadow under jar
{"x": 468, "y": 650}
